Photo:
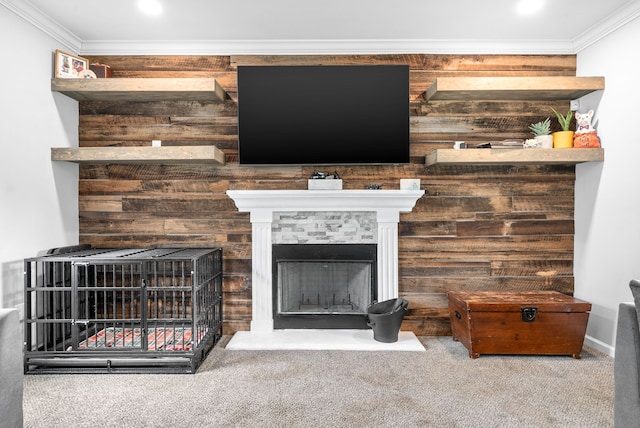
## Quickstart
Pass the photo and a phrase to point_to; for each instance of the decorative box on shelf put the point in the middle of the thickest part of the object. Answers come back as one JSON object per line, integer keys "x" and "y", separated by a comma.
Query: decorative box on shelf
{"x": 324, "y": 184}
{"x": 102, "y": 71}
{"x": 409, "y": 184}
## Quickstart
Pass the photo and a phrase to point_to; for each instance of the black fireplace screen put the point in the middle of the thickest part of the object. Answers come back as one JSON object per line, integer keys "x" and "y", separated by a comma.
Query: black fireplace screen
{"x": 323, "y": 286}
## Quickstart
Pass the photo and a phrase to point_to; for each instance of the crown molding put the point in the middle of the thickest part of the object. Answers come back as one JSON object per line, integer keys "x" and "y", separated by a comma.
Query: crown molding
{"x": 627, "y": 13}
{"x": 25, "y": 10}
{"x": 324, "y": 47}
{"x": 68, "y": 40}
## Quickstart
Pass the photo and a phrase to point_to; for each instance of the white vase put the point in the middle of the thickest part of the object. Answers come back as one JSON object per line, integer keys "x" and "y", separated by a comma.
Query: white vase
{"x": 546, "y": 141}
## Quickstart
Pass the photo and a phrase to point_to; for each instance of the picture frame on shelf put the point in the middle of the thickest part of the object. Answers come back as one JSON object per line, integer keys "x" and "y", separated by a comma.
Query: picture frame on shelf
{"x": 69, "y": 66}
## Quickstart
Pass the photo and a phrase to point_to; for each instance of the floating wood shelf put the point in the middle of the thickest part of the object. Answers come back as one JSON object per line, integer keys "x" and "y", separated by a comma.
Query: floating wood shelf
{"x": 513, "y": 88}
{"x": 514, "y": 156}
{"x": 139, "y": 155}
{"x": 140, "y": 89}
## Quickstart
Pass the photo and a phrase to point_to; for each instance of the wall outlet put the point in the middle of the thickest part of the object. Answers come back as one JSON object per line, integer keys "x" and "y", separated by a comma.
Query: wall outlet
{"x": 574, "y": 105}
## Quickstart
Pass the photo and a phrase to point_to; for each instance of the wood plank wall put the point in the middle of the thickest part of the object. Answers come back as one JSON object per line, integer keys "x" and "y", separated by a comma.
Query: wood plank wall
{"x": 477, "y": 227}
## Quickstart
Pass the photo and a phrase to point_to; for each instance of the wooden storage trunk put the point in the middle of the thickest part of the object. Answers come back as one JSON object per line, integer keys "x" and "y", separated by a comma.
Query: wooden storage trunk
{"x": 535, "y": 322}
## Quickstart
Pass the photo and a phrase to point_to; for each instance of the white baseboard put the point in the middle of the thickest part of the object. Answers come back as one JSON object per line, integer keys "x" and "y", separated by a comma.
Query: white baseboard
{"x": 599, "y": 346}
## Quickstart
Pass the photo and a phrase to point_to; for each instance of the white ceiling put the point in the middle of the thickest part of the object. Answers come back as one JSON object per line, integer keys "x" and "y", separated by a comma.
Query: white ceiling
{"x": 339, "y": 26}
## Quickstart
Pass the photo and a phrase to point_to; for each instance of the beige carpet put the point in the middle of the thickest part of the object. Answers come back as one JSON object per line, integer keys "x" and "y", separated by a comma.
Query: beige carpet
{"x": 441, "y": 387}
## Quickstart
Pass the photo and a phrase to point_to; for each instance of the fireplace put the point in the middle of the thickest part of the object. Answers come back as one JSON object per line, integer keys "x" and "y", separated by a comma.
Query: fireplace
{"x": 384, "y": 207}
{"x": 323, "y": 285}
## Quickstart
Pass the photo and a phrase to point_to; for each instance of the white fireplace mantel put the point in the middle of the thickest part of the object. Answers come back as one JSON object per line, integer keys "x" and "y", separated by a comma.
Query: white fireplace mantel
{"x": 388, "y": 204}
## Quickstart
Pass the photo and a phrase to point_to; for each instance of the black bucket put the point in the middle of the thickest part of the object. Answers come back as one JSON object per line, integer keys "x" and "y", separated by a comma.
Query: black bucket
{"x": 385, "y": 318}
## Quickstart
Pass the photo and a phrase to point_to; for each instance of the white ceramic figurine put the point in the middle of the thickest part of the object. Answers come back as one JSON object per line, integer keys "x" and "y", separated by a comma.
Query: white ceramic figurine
{"x": 583, "y": 122}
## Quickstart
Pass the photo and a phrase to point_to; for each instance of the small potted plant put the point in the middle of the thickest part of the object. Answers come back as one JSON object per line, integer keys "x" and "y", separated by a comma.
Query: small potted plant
{"x": 563, "y": 139}
{"x": 542, "y": 133}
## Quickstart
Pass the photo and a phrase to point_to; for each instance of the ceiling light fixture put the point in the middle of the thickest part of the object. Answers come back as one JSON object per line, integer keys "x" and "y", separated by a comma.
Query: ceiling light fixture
{"x": 527, "y": 7}
{"x": 150, "y": 7}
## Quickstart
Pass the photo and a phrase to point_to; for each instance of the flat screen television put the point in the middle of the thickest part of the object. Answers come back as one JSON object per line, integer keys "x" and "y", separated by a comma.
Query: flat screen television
{"x": 323, "y": 115}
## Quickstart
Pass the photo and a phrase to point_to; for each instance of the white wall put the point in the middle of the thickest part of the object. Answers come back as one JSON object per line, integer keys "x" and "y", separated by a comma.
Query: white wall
{"x": 38, "y": 198}
{"x": 607, "y": 217}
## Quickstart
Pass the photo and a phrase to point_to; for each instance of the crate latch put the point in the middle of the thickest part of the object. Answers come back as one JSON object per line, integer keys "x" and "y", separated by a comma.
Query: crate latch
{"x": 529, "y": 313}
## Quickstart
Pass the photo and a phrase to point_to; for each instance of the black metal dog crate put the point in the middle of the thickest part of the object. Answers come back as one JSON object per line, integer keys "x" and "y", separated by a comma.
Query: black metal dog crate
{"x": 122, "y": 310}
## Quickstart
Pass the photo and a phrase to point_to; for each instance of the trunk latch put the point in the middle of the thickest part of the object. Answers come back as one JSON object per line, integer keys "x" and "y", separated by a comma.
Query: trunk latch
{"x": 529, "y": 313}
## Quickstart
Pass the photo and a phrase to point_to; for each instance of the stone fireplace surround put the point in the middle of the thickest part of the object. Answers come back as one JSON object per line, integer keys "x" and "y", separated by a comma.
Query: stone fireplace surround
{"x": 262, "y": 204}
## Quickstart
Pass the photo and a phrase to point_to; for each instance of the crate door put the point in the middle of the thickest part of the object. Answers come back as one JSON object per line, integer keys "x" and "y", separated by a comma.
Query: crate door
{"x": 170, "y": 314}
{"x": 48, "y": 307}
{"x": 110, "y": 304}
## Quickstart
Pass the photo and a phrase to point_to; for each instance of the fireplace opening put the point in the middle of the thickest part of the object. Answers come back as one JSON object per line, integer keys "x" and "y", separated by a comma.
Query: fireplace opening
{"x": 323, "y": 285}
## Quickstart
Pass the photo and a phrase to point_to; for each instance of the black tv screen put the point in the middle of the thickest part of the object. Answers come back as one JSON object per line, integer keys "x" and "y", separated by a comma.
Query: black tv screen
{"x": 323, "y": 114}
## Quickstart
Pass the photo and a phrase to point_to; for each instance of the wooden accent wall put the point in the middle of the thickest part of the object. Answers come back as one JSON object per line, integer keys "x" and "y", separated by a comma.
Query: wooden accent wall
{"x": 477, "y": 227}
